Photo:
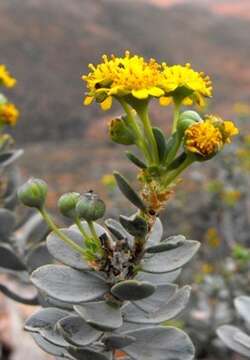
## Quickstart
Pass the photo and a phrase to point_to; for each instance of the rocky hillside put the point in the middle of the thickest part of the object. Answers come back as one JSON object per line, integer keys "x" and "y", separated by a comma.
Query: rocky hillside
{"x": 48, "y": 43}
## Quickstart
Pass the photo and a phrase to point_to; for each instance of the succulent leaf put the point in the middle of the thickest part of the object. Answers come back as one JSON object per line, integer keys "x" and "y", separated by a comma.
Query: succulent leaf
{"x": 129, "y": 192}
{"x": 65, "y": 254}
{"x": 49, "y": 347}
{"x": 158, "y": 279}
{"x": 161, "y": 343}
{"x": 68, "y": 285}
{"x": 155, "y": 234}
{"x": 115, "y": 341}
{"x": 161, "y": 142}
{"x": 242, "y": 304}
{"x": 172, "y": 259}
{"x": 161, "y": 296}
{"x": 169, "y": 244}
{"x": 135, "y": 160}
{"x": 232, "y": 337}
{"x": 9, "y": 260}
{"x": 76, "y": 331}
{"x": 7, "y": 158}
{"x": 44, "y": 322}
{"x": 87, "y": 354}
{"x": 7, "y": 224}
{"x": 132, "y": 290}
{"x": 37, "y": 257}
{"x": 172, "y": 307}
{"x": 100, "y": 315}
{"x": 135, "y": 225}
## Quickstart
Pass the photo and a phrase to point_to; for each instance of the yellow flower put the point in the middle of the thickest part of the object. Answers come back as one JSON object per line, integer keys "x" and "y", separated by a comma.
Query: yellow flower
{"x": 207, "y": 268}
{"x": 5, "y": 78}
{"x": 229, "y": 130}
{"x": 122, "y": 76}
{"x": 226, "y": 127}
{"x": 230, "y": 197}
{"x": 8, "y": 114}
{"x": 207, "y": 137}
{"x": 213, "y": 237}
{"x": 183, "y": 84}
{"x": 203, "y": 138}
{"x": 109, "y": 181}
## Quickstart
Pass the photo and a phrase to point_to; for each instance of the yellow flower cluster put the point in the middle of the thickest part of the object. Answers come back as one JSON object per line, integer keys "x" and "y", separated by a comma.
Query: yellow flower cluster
{"x": 5, "y": 78}
{"x": 8, "y": 114}
{"x": 207, "y": 137}
{"x": 185, "y": 84}
{"x": 133, "y": 75}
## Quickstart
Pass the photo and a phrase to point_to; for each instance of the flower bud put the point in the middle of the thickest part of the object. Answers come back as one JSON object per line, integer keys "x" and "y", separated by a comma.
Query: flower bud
{"x": 188, "y": 118}
{"x": 67, "y": 204}
{"x": 33, "y": 193}
{"x": 90, "y": 207}
{"x": 120, "y": 132}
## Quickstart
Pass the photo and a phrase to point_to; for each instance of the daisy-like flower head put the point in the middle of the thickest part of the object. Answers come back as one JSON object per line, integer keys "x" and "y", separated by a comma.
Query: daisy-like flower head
{"x": 207, "y": 137}
{"x": 183, "y": 84}
{"x": 99, "y": 81}
{"x": 5, "y": 78}
{"x": 203, "y": 138}
{"x": 8, "y": 114}
{"x": 122, "y": 76}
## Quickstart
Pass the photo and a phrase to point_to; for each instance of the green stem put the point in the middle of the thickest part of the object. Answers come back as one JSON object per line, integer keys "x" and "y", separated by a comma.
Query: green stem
{"x": 176, "y": 116}
{"x": 93, "y": 232}
{"x": 59, "y": 233}
{"x": 149, "y": 133}
{"x": 140, "y": 142}
{"x": 174, "y": 149}
{"x": 81, "y": 228}
{"x": 174, "y": 174}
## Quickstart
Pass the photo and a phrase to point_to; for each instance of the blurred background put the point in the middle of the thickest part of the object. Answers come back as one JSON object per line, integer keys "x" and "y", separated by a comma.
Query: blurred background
{"x": 47, "y": 45}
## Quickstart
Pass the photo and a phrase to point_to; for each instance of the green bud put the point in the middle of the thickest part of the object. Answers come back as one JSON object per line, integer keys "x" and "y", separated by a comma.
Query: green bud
{"x": 187, "y": 118}
{"x": 90, "y": 207}
{"x": 33, "y": 193}
{"x": 120, "y": 132}
{"x": 190, "y": 114}
{"x": 67, "y": 204}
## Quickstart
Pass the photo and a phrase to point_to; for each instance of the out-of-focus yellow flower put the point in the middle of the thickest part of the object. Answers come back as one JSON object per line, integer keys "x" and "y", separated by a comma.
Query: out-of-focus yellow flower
{"x": 8, "y": 114}
{"x": 183, "y": 84}
{"x": 203, "y": 138}
{"x": 5, "y": 78}
{"x": 212, "y": 237}
{"x": 230, "y": 197}
{"x": 122, "y": 76}
{"x": 207, "y": 268}
{"x": 108, "y": 180}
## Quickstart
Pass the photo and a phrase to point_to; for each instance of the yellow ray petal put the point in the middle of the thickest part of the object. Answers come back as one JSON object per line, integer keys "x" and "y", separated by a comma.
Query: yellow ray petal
{"x": 107, "y": 103}
{"x": 88, "y": 100}
{"x": 140, "y": 94}
{"x": 165, "y": 100}
{"x": 155, "y": 91}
